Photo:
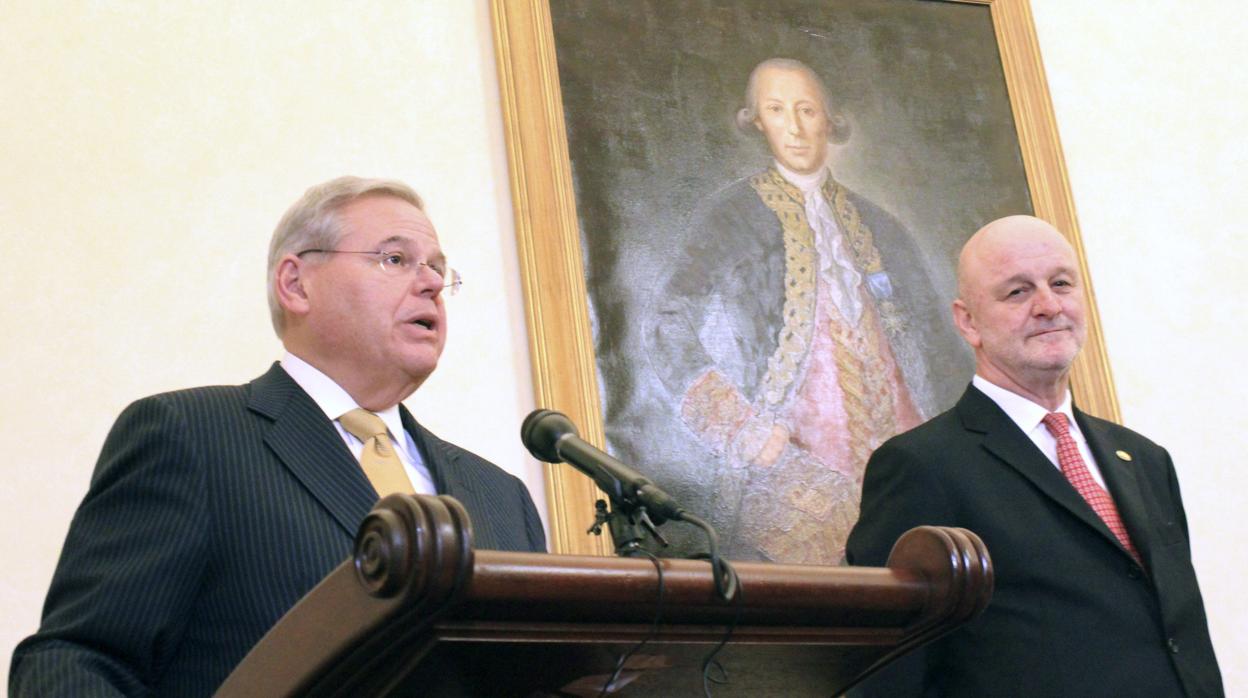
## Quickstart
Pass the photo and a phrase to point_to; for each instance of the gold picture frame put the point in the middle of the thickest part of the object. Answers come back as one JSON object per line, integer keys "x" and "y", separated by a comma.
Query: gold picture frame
{"x": 553, "y": 278}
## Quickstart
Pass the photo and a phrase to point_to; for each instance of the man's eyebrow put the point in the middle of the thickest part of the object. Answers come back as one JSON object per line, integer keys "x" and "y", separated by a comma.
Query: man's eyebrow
{"x": 1007, "y": 284}
{"x": 1026, "y": 279}
{"x": 407, "y": 243}
{"x": 396, "y": 239}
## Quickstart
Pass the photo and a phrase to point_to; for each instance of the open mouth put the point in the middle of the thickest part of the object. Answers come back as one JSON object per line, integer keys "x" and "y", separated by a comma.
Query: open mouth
{"x": 428, "y": 325}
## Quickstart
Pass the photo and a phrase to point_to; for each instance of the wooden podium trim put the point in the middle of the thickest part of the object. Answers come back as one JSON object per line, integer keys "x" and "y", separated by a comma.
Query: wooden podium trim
{"x": 415, "y": 585}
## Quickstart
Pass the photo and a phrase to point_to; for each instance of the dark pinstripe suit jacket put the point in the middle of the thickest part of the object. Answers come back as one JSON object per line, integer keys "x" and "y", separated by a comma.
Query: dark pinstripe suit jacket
{"x": 210, "y": 513}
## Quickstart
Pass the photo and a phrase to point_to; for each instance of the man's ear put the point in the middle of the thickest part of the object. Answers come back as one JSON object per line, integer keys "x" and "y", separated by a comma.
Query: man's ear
{"x": 289, "y": 285}
{"x": 965, "y": 323}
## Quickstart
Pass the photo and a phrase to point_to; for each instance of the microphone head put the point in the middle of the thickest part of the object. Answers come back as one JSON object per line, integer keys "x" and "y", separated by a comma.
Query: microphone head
{"x": 541, "y": 431}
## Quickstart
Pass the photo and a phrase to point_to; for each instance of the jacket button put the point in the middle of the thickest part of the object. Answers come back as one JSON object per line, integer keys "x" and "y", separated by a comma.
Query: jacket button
{"x": 1173, "y": 645}
{"x": 1134, "y": 571}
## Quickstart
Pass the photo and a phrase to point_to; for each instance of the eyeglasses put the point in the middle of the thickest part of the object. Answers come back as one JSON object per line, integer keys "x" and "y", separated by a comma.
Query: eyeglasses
{"x": 399, "y": 263}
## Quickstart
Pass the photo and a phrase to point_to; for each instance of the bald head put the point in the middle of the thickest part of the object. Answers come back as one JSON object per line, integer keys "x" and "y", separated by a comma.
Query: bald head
{"x": 1007, "y": 236}
{"x": 1020, "y": 306}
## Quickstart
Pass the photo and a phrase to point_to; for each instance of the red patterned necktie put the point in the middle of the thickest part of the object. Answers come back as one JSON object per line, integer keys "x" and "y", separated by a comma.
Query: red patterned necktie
{"x": 1077, "y": 472}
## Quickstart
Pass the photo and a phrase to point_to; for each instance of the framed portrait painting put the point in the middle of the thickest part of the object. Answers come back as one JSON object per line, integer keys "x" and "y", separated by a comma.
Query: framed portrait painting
{"x": 738, "y": 226}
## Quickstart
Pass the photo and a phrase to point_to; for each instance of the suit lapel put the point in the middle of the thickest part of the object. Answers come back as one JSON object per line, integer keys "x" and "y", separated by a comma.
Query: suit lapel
{"x": 1006, "y": 441}
{"x": 1121, "y": 481}
{"x": 306, "y": 443}
{"x": 442, "y": 461}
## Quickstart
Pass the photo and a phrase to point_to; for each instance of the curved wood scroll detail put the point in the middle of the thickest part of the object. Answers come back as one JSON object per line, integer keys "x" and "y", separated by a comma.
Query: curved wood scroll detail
{"x": 416, "y": 609}
{"x": 412, "y": 560}
{"x": 956, "y": 561}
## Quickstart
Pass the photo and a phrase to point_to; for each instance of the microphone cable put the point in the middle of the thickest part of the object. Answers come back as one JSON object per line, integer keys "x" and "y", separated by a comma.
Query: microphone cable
{"x": 654, "y": 627}
{"x": 724, "y": 575}
{"x": 728, "y": 587}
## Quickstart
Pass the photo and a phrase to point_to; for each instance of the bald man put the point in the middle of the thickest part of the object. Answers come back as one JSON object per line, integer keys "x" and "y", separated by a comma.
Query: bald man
{"x": 1095, "y": 592}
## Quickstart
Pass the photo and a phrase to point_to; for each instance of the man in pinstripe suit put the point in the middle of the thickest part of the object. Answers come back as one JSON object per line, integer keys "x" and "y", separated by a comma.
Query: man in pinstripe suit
{"x": 213, "y": 510}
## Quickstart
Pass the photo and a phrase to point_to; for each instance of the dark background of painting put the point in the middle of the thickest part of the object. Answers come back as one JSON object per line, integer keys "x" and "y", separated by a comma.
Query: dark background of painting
{"x": 650, "y": 91}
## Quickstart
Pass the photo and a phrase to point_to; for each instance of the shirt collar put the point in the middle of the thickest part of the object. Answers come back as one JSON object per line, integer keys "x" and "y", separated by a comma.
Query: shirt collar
{"x": 333, "y": 400}
{"x": 805, "y": 182}
{"x": 1026, "y": 414}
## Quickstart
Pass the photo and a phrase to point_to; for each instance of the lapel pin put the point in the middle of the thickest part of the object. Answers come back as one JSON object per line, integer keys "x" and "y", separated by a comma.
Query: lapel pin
{"x": 1123, "y": 455}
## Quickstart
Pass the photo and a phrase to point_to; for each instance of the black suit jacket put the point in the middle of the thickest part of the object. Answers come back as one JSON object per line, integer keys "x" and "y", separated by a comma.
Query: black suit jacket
{"x": 210, "y": 513}
{"x": 1071, "y": 614}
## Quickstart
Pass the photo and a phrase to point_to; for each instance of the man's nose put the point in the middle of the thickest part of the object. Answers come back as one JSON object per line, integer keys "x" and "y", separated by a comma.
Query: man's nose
{"x": 426, "y": 281}
{"x": 1046, "y": 303}
{"x": 792, "y": 123}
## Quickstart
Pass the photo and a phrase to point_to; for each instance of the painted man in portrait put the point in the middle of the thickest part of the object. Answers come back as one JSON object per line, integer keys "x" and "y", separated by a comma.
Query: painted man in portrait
{"x": 797, "y": 331}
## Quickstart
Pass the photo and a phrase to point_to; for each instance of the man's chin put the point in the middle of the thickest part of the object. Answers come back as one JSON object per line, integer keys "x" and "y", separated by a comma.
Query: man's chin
{"x": 418, "y": 372}
{"x": 419, "y": 361}
{"x": 1054, "y": 361}
{"x": 1056, "y": 343}
{"x": 802, "y": 168}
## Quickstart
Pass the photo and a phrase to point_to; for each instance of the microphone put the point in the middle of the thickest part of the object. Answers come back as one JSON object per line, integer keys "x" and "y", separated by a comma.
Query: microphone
{"x": 550, "y": 436}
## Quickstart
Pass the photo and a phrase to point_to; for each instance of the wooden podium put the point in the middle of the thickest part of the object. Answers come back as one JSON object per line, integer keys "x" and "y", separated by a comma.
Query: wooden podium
{"x": 418, "y": 611}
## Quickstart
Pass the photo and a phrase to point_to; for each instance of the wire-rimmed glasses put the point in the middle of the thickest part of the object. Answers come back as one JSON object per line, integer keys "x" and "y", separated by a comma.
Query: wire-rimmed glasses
{"x": 399, "y": 263}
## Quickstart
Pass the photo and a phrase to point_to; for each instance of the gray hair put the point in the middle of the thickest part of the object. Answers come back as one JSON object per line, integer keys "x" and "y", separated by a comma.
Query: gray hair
{"x": 839, "y": 129}
{"x": 312, "y": 223}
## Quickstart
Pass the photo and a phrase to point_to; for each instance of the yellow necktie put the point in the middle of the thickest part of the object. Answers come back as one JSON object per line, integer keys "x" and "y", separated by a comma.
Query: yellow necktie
{"x": 380, "y": 463}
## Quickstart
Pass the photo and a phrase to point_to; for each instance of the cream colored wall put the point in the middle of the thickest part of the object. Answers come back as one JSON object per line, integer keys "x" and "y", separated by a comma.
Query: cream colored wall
{"x": 147, "y": 152}
{"x": 1151, "y": 107}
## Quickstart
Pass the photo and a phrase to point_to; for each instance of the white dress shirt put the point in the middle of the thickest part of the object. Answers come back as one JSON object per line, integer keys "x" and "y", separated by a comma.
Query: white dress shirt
{"x": 1029, "y": 417}
{"x": 335, "y": 402}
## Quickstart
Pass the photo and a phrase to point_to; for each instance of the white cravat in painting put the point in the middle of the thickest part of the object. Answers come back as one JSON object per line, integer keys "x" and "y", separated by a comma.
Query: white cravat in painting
{"x": 836, "y": 268}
